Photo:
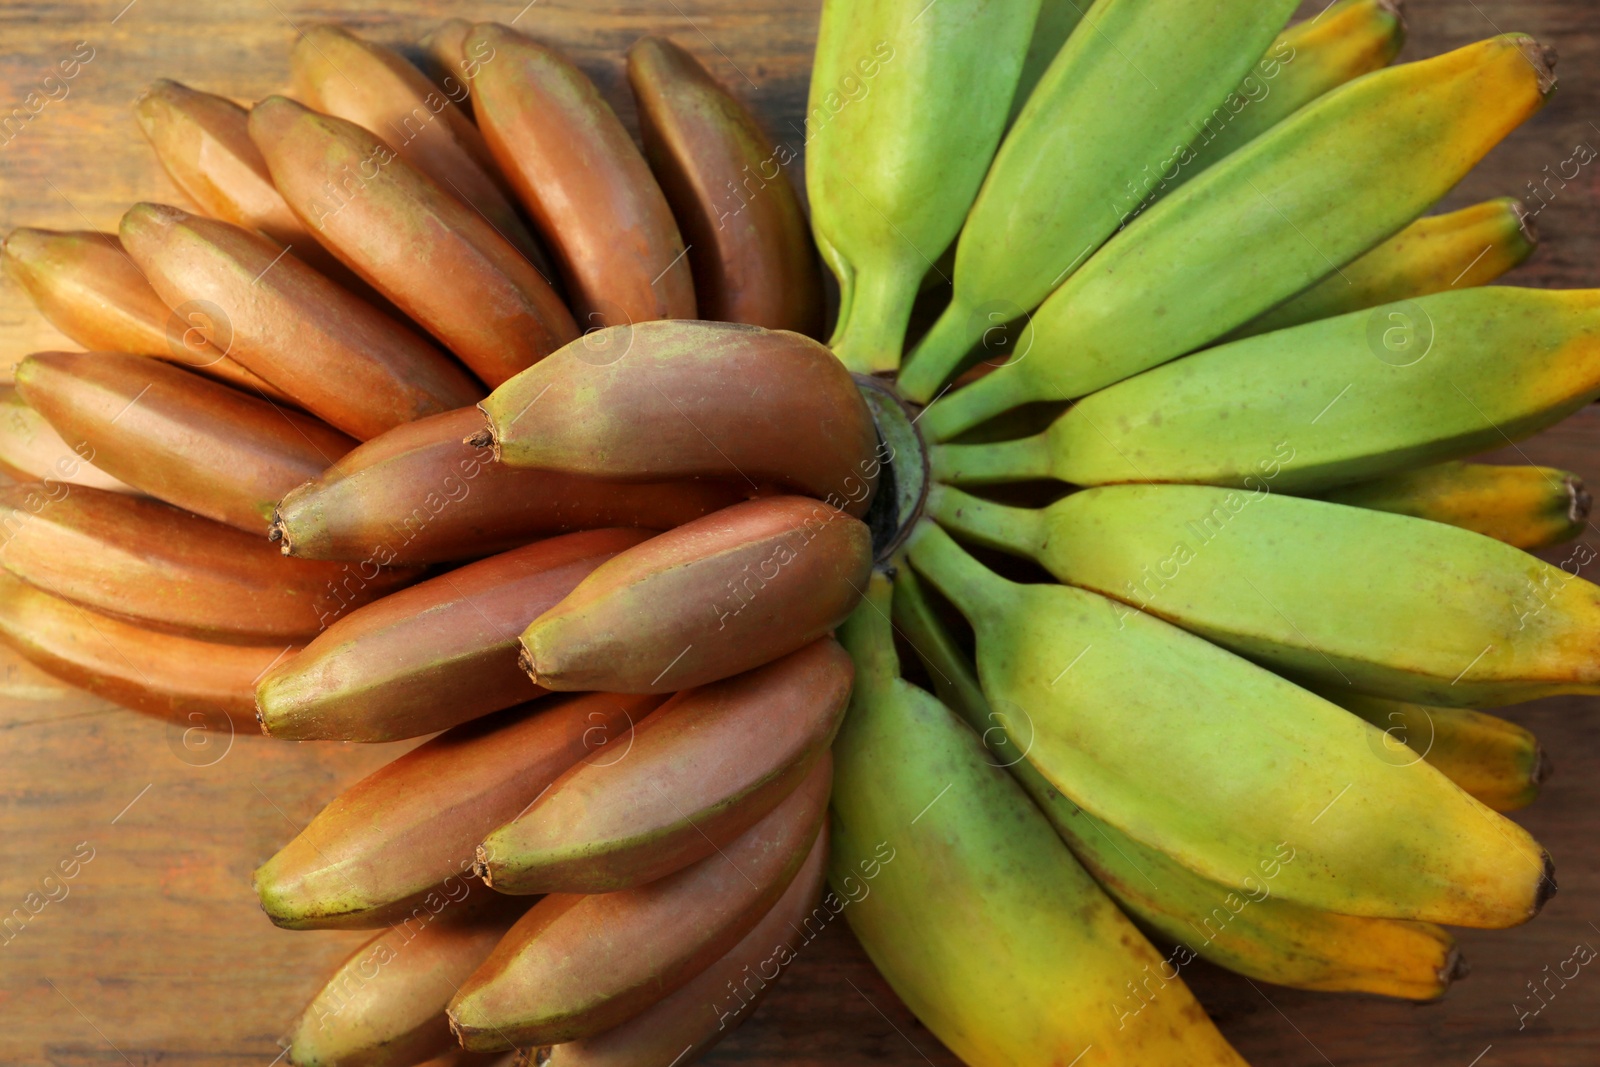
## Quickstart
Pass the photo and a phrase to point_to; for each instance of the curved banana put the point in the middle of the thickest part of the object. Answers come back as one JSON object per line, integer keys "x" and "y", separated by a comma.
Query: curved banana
{"x": 1308, "y": 589}
{"x": 1251, "y": 932}
{"x": 1529, "y": 507}
{"x": 1118, "y": 104}
{"x": 1226, "y": 767}
{"x": 1302, "y": 200}
{"x": 895, "y": 86}
{"x": 967, "y": 901}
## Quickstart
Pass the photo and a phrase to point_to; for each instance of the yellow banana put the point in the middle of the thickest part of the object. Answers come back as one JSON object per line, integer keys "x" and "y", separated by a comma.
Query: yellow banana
{"x": 1251, "y": 932}
{"x": 969, "y": 904}
{"x": 1529, "y": 507}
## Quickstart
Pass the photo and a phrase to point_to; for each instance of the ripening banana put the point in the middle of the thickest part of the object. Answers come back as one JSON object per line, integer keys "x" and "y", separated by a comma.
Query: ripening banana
{"x": 1529, "y": 507}
{"x": 1225, "y": 766}
{"x": 895, "y": 84}
{"x": 1325, "y": 404}
{"x": 1249, "y": 931}
{"x": 1308, "y": 588}
{"x": 968, "y": 903}
{"x": 1115, "y": 109}
{"x": 1300, "y": 201}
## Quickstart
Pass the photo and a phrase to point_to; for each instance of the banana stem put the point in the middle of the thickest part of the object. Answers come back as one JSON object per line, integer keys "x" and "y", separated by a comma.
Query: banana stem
{"x": 1020, "y": 531}
{"x": 938, "y": 354}
{"x": 869, "y": 637}
{"x": 991, "y": 464}
{"x": 974, "y": 588}
{"x": 955, "y": 682}
{"x": 872, "y": 330}
{"x": 972, "y": 405}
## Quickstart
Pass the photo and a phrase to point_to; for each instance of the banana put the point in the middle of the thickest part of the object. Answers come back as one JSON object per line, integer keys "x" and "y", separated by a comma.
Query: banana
{"x": 1463, "y": 249}
{"x": 679, "y": 1025}
{"x": 1302, "y": 200}
{"x": 420, "y": 494}
{"x": 698, "y": 773}
{"x": 1307, "y": 587}
{"x": 578, "y": 173}
{"x": 431, "y": 656}
{"x": 1120, "y": 101}
{"x": 1529, "y": 507}
{"x": 1325, "y": 404}
{"x": 395, "y": 842}
{"x": 750, "y": 248}
{"x": 177, "y": 678}
{"x": 705, "y": 601}
{"x": 576, "y": 966}
{"x": 384, "y": 1006}
{"x": 445, "y": 60}
{"x": 1252, "y": 933}
{"x": 1256, "y": 775}
{"x": 675, "y": 400}
{"x": 166, "y": 569}
{"x": 908, "y": 101}
{"x": 968, "y": 903}
{"x": 1051, "y": 28}
{"x": 1496, "y": 761}
{"x": 339, "y": 357}
{"x": 475, "y": 292}
{"x": 178, "y": 437}
{"x": 338, "y": 73}
{"x": 89, "y": 289}
{"x": 32, "y": 451}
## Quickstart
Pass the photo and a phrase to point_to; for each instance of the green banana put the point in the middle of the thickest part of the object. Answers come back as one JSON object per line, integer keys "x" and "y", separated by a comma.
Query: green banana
{"x": 1222, "y": 765}
{"x": 1496, "y": 761}
{"x": 1325, "y": 404}
{"x": 1253, "y": 933}
{"x": 968, "y": 903}
{"x": 1529, "y": 507}
{"x": 1463, "y": 249}
{"x": 1121, "y": 100}
{"x": 897, "y": 84}
{"x": 1297, "y": 203}
{"x": 1307, "y": 588}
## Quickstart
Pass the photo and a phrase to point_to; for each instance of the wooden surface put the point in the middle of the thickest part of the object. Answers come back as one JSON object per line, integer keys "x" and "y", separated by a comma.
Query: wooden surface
{"x": 157, "y": 953}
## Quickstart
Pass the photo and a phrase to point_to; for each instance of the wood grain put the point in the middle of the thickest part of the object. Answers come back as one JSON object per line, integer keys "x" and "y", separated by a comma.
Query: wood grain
{"x": 157, "y": 953}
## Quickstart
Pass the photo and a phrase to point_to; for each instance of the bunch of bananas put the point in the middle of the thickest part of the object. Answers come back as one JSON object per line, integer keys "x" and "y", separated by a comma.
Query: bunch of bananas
{"x": 442, "y": 342}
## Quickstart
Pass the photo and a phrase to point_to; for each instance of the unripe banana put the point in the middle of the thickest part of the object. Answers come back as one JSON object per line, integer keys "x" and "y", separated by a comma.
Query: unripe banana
{"x": 401, "y": 841}
{"x": 577, "y": 966}
{"x": 1251, "y": 932}
{"x": 577, "y": 171}
{"x": 750, "y": 249}
{"x": 476, "y": 292}
{"x": 177, "y": 678}
{"x": 1298, "y": 202}
{"x": 177, "y": 436}
{"x": 166, "y": 569}
{"x": 908, "y": 101}
{"x": 1529, "y": 507}
{"x": 1126, "y": 93}
{"x": 431, "y": 656}
{"x": 32, "y": 451}
{"x": 698, "y": 773}
{"x": 708, "y": 600}
{"x": 1307, "y": 587}
{"x": 1254, "y": 770}
{"x": 1496, "y": 761}
{"x": 1325, "y": 404}
{"x": 970, "y": 905}
{"x": 692, "y": 400}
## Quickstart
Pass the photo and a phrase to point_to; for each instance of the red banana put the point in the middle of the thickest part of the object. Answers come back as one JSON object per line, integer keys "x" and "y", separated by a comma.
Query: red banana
{"x": 32, "y": 451}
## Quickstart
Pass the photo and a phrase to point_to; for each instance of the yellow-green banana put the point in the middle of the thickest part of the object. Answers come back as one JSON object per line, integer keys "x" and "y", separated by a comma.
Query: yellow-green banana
{"x": 1326, "y": 404}
{"x": 1529, "y": 507}
{"x": 1465, "y": 248}
{"x": 1496, "y": 761}
{"x": 1315, "y": 192}
{"x": 1226, "y": 767}
{"x": 970, "y": 905}
{"x": 1249, "y": 931}
{"x": 1378, "y": 603}
{"x": 908, "y": 101}
{"x": 1114, "y": 110}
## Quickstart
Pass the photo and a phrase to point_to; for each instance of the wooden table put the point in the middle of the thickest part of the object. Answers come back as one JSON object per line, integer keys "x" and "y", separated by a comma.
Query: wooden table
{"x": 158, "y": 954}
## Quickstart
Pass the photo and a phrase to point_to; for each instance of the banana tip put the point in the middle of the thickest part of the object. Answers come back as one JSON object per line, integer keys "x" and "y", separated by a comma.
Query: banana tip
{"x": 1542, "y": 768}
{"x": 1579, "y": 501}
{"x": 480, "y": 867}
{"x": 1542, "y": 57}
{"x": 1547, "y": 885}
{"x": 1455, "y": 968}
